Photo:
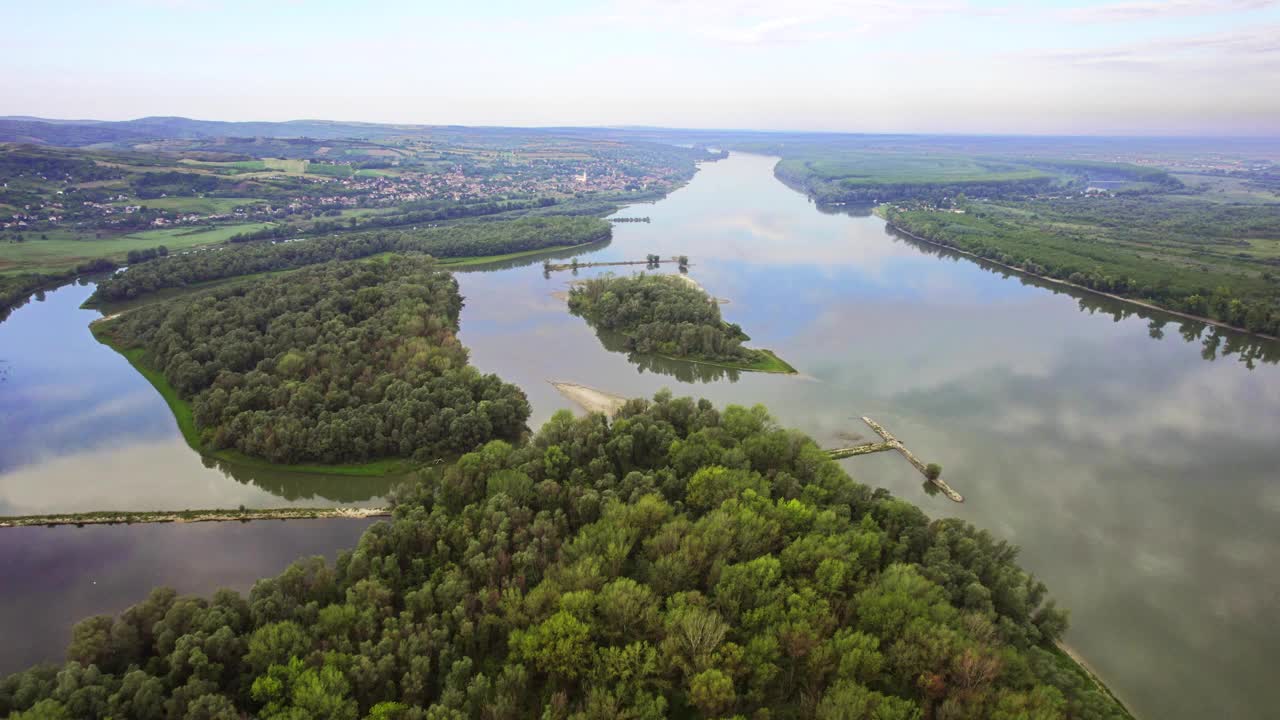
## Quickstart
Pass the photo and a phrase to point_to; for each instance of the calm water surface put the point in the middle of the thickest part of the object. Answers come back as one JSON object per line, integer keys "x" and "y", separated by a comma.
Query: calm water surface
{"x": 1132, "y": 457}
{"x": 82, "y": 430}
{"x": 54, "y": 577}
{"x": 1138, "y": 475}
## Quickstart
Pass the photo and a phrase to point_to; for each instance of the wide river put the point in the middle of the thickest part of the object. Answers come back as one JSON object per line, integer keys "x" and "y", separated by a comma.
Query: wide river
{"x": 1133, "y": 457}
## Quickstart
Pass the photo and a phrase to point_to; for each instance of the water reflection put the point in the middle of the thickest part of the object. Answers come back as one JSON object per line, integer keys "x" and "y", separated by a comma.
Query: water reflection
{"x": 84, "y": 431}
{"x": 535, "y": 258}
{"x": 1217, "y": 341}
{"x": 1137, "y": 476}
{"x": 681, "y": 370}
{"x": 55, "y": 577}
{"x": 295, "y": 486}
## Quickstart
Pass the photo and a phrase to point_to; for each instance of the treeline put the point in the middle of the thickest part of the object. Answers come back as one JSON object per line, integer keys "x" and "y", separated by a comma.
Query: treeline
{"x": 1180, "y": 279}
{"x": 1101, "y": 170}
{"x": 880, "y": 182}
{"x": 441, "y": 211}
{"x": 342, "y": 363}
{"x": 149, "y": 185}
{"x": 467, "y": 240}
{"x": 661, "y": 314}
{"x": 16, "y": 289}
{"x": 678, "y": 561}
{"x": 52, "y": 165}
{"x": 865, "y": 194}
{"x": 140, "y": 256}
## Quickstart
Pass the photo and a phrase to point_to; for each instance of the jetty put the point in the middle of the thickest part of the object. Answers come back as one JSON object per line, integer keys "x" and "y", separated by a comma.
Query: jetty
{"x": 892, "y": 443}
{"x": 555, "y": 267}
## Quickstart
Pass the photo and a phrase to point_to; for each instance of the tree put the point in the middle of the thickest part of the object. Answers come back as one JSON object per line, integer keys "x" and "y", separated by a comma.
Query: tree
{"x": 933, "y": 471}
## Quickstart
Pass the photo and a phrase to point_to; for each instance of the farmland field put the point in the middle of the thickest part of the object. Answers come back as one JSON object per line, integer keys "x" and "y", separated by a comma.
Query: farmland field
{"x": 63, "y": 250}
{"x": 879, "y": 169}
{"x": 199, "y": 205}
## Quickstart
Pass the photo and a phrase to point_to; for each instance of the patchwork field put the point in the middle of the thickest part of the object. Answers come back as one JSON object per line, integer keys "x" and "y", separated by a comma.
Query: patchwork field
{"x": 62, "y": 250}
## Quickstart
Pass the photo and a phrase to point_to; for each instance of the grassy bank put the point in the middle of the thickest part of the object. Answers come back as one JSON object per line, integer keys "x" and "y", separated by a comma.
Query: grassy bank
{"x": 768, "y": 363}
{"x": 183, "y": 414}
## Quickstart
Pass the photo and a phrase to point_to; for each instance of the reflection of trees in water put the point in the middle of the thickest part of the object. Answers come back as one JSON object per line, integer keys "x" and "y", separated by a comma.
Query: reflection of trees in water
{"x": 534, "y": 258}
{"x": 1215, "y": 341}
{"x": 682, "y": 370}
{"x": 305, "y": 486}
{"x": 850, "y": 210}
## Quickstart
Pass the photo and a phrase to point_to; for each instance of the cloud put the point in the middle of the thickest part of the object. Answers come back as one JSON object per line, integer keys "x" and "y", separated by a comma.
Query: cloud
{"x": 750, "y": 22}
{"x": 1254, "y": 46}
{"x": 1136, "y": 11}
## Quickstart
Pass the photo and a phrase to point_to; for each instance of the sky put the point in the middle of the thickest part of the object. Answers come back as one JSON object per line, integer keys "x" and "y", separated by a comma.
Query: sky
{"x": 1177, "y": 67}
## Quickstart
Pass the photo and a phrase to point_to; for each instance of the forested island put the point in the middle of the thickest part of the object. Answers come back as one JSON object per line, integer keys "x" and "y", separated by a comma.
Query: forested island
{"x": 678, "y": 561}
{"x": 335, "y": 364}
{"x": 667, "y": 315}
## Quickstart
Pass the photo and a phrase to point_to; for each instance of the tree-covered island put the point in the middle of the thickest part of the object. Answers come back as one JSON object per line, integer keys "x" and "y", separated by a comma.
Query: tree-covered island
{"x": 336, "y": 363}
{"x": 678, "y": 561}
{"x": 667, "y": 315}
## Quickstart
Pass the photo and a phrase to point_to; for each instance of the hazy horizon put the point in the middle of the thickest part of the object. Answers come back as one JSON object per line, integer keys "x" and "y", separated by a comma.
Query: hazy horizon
{"x": 1069, "y": 67}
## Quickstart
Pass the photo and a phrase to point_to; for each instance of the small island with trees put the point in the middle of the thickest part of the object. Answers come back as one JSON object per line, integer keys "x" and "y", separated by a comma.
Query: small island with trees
{"x": 354, "y": 366}
{"x": 668, "y": 315}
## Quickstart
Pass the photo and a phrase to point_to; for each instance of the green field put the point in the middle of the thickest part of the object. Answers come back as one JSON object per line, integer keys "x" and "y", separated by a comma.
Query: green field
{"x": 66, "y": 249}
{"x": 769, "y": 363}
{"x": 883, "y": 169}
{"x": 198, "y": 205}
{"x": 1207, "y": 259}
{"x": 1222, "y": 189}
{"x": 296, "y": 167}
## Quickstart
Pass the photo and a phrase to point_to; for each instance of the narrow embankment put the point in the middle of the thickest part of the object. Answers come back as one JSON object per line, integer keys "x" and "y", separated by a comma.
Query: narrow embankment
{"x": 190, "y": 516}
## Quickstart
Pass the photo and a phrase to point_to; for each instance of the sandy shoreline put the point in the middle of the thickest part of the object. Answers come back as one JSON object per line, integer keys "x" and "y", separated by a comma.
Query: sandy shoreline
{"x": 589, "y": 398}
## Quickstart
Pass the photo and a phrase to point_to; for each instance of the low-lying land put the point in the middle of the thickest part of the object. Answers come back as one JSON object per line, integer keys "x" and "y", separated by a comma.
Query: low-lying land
{"x": 352, "y": 367}
{"x": 662, "y": 315}
{"x": 676, "y": 561}
{"x": 1205, "y": 259}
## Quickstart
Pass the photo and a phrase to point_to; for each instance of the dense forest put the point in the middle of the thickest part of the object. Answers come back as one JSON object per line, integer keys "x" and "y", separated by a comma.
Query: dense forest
{"x": 667, "y": 315}
{"x": 340, "y": 363}
{"x": 1207, "y": 259}
{"x": 467, "y": 240}
{"x": 678, "y": 561}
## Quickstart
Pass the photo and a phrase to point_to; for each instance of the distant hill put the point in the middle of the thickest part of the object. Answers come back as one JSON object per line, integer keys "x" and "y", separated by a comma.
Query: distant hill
{"x": 78, "y": 133}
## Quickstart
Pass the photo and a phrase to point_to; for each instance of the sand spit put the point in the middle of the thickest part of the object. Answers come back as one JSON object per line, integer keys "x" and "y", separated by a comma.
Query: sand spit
{"x": 589, "y": 398}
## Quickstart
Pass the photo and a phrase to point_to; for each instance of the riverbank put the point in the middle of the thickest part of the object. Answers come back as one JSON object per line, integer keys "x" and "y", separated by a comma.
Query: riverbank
{"x": 1068, "y": 658}
{"x": 1075, "y": 286}
{"x": 190, "y": 516}
{"x": 182, "y": 413}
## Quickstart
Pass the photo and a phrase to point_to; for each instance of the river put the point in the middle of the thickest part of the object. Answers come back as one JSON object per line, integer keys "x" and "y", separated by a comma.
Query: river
{"x": 1131, "y": 455}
